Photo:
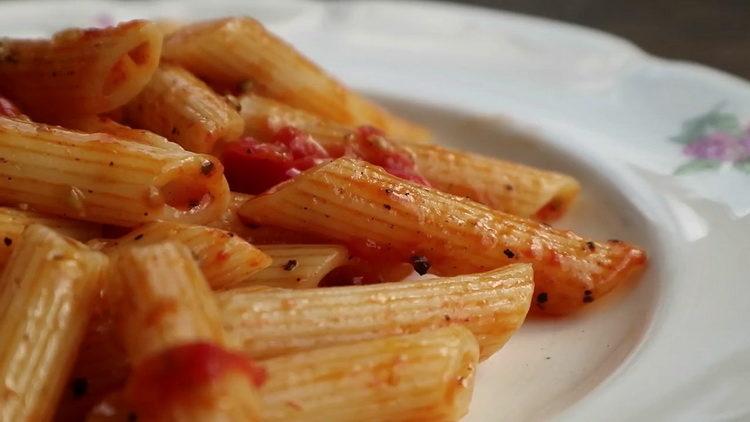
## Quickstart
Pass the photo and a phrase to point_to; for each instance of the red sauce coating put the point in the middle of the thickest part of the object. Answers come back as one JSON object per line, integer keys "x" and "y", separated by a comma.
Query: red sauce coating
{"x": 371, "y": 145}
{"x": 254, "y": 167}
{"x": 175, "y": 373}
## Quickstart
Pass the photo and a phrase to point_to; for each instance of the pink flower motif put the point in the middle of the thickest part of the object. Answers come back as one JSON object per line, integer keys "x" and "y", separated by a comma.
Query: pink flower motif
{"x": 719, "y": 146}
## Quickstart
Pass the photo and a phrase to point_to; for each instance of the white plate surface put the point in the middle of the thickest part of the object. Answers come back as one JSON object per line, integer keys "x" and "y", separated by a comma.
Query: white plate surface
{"x": 662, "y": 149}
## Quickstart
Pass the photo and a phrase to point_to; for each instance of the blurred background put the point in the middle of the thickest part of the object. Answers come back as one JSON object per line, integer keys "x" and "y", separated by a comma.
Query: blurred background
{"x": 713, "y": 32}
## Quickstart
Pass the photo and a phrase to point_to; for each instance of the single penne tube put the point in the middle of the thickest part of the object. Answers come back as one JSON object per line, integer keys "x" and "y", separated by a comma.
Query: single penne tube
{"x": 372, "y": 212}
{"x": 427, "y": 376}
{"x": 99, "y": 178}
{"x": 179, "y": 106}
{"x": 170, "y": 326}
{"x": 230, "y": 52}
{"x": 254, "y": 233}
{"x": 264, "y": 117}
{"x": 79, "y": 72}
{"x": 101, "y": 124}
{"x": 225, "y": 259}
{"x": 297, "y": 266}
{"x": 14, "y": 221}
{"x": 502, "y": 185}
{"x": 269, "y": 323}
{"x": 47, "y": 294}
{"x": 186, "y": 309}
{"x": 505, "y": 186}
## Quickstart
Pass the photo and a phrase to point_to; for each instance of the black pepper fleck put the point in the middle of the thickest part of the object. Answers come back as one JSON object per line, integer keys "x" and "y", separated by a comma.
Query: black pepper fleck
{"x": 421, "y": 264}
{"x": 386, "y": 206}
{"x": 79, "y": 387}
{"x": 542, "y": 297}
{"x": 207, "y": 167}
{"x": 8, "y": 241}
{"x": 111, "y": 163}
{"x": 447, "y": 317}
{"x": 290, "y": 265}
{"x": 591, "y": 246}
{"x": 509, "y": 253}
{"x": 139, "y": 237}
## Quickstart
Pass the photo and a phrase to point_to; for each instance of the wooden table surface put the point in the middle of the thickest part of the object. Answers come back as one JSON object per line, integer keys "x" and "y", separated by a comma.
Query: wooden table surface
{"x": 712, "y": 32}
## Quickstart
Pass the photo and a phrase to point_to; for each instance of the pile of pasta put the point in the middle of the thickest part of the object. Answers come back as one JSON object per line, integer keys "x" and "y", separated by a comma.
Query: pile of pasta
{"x": 198, "y": 223}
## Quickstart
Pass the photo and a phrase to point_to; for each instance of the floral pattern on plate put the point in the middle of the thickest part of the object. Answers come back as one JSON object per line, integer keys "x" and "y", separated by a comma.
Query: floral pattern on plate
{"x": 713, "y": 139}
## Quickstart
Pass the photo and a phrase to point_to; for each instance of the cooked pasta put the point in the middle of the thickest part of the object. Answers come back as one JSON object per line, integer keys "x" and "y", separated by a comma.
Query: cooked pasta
{"x": 225, "y": 259}
{"x": 47, "y": 292}
{"x": 100, "y": 124}
{"x": 100, "y": 178}
{"x": 363, "y": 206}
{"x": 230, "y": 52}
{"x": 79, "y": 72}
{"x": 502, "y": 185}
{"x": 508, "y": 187}
{"x": 172, "y": 333}
{"x": 179, "y": 106}
{"x": 14, "y": 221}
{"x": 262, "y": 243}
{"x": 274, "y": 322}
{"x": 298, "y": 266}
{"x": 427, "y": 377}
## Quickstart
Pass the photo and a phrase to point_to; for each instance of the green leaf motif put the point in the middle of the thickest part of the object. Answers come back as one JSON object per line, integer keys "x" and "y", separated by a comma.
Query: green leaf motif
{"x": 743, "y": 166}
{"x": 700, "y": 126}
{"x": 695, "y": 166}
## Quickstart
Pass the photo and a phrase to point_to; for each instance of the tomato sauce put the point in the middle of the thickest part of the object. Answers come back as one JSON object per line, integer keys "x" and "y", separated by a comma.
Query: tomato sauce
{"x": 254, "y": 167}
{"x": 177, "y": 372}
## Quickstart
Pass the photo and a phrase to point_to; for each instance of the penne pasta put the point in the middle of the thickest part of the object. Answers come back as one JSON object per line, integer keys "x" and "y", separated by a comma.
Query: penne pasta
{"x": 79, "y": 72}
{"x": 269, "y": 323}
{"x": 230, "y": 52}
{"x": 47, "y": 292}
{"x": 298, "y": 266}
{"x": 101, "y": 124}
{"x": 13, "y": 222}
{"x": 153, "y": 314}
{"x": 99, "y": 178}
{"x": 418, "y": 377}
{"x": 173, "y": 335}
{"x": 502, "y": 185}
{"x": 254, "y": 233}
{"x": 375, "y": 213}
{"x": 505, "y": 186}
{"x": 225, "y": 259}
{"x": 181, "y": 107}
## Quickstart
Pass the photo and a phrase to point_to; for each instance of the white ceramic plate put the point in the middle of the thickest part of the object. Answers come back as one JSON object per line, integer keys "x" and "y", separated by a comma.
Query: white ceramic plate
{"x": 662, "y": 149}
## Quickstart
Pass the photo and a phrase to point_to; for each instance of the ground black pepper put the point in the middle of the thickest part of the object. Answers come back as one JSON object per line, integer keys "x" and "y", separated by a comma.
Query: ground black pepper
{"x": 421, "y": 264}
{"x": 79, "y": 387}
{"x": 290, "y": 265}
{"x": 509, "y": 253}
{"x": 8, "y": 241}
{"x": 207, "y": 167}
{"x": 542, "y": 297}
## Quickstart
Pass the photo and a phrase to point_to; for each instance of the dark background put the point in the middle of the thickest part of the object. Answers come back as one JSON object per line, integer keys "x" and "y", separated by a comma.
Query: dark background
{"x": 712, "y": 32}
